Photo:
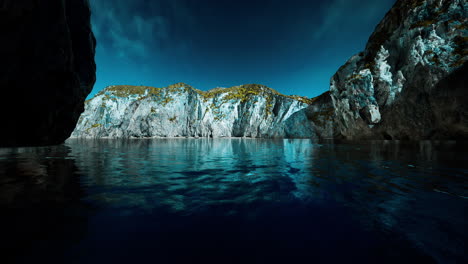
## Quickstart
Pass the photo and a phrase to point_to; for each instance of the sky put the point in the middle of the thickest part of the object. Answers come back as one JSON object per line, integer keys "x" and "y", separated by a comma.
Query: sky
{"x": 293, "y": 46}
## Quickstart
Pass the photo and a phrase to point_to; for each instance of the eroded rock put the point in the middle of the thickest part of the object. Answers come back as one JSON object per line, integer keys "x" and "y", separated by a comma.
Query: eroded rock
{"x": 394, "y": 86}
{"x": 183, "y": 111}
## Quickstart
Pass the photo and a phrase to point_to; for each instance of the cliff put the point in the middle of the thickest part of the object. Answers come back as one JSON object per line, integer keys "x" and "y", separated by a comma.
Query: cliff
{"x": 409, "y": 82}
{"x": 183, "y": 111}
{"x": 47, "y": 69}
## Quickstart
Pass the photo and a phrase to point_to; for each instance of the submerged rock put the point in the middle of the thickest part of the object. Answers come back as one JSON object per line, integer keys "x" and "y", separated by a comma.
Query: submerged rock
{"x": 47, "y": 69}
{"x": 182, "y": 111}
{"x": 410, "y": 82}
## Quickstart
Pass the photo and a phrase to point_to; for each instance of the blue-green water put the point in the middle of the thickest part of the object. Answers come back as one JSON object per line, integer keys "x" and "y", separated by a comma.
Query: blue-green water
{"x": 234, "y": 201}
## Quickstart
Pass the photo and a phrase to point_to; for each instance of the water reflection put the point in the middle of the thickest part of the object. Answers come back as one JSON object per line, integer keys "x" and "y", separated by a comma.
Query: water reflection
{"x": 189, "y": 175}
{"x": 269, "y": 200}
{"x": 39, "y": 201}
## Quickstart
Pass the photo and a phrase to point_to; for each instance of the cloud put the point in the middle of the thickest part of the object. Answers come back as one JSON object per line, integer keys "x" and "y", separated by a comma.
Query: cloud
{"x": 136, "y": 29}
{"x": 338, "y": 15}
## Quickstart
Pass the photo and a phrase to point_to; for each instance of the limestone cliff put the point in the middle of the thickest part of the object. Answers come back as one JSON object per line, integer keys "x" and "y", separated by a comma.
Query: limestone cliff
{"x": 410, "y": 81}
{"x": 46, "y": 71}
{"x": 182, "y": 111}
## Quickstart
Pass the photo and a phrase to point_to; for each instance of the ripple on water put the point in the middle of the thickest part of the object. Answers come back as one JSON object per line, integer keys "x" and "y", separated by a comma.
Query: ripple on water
{"x": 408, "y": 197}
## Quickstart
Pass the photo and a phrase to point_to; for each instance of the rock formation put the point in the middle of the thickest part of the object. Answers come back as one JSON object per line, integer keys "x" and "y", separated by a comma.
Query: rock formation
{"x": 410, "y": 82}
{"x": 182, "y": 111}
{"x": 47, "y": 69}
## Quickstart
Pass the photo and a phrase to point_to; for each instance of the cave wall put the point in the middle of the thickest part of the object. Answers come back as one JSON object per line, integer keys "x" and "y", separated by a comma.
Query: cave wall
{"x": 47, "y": 69}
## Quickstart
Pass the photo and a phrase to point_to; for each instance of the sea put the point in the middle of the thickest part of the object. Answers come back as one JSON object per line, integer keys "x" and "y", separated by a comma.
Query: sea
{"x": 234, "y": 200}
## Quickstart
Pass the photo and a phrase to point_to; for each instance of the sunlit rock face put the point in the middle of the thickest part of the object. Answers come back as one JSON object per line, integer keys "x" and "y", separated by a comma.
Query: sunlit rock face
{"x": 47, "y": 69}
{"x": 182, "y": 111}
{"x": 409, "y": 81}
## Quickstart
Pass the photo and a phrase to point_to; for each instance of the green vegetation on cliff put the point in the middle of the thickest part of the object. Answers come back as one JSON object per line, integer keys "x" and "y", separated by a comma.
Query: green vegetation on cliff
{"x": 242, "y": 92}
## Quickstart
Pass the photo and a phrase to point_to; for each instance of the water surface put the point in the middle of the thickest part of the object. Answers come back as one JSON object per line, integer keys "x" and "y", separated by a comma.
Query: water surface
{"x": 235, "y": 201}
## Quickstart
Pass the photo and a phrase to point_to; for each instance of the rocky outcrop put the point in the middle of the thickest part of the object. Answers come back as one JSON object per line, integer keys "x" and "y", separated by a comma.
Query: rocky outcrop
{"x": 47, "y": 69}
{"x": 182, "y": 111}
{"x": 320, "y": 115}
{"x": 410, "y": 82}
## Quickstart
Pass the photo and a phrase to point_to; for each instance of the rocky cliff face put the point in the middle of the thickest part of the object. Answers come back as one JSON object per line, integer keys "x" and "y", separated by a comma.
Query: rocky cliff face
{"x": 410, "y": 82}
{"x": 47, "y": 69}
{"x": 182, "y": 111}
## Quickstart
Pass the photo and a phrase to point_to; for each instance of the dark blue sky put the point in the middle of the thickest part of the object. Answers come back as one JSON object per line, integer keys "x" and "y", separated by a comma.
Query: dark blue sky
{"x": 293, "y": 46}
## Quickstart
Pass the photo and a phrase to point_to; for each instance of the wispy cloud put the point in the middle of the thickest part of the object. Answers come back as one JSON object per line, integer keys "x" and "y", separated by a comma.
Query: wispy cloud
{"x": 339, "y": 15}
{"x": 135, "y": 29}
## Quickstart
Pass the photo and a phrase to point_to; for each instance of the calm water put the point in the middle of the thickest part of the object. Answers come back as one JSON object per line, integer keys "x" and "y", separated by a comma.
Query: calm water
{"x": 234, "y": 201}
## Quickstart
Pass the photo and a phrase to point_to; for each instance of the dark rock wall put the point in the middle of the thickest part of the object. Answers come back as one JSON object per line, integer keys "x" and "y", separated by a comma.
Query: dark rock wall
{"x": 320, "y": 114}
{"x": 47, "y": 69}
{"x": 441, "y": 113}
